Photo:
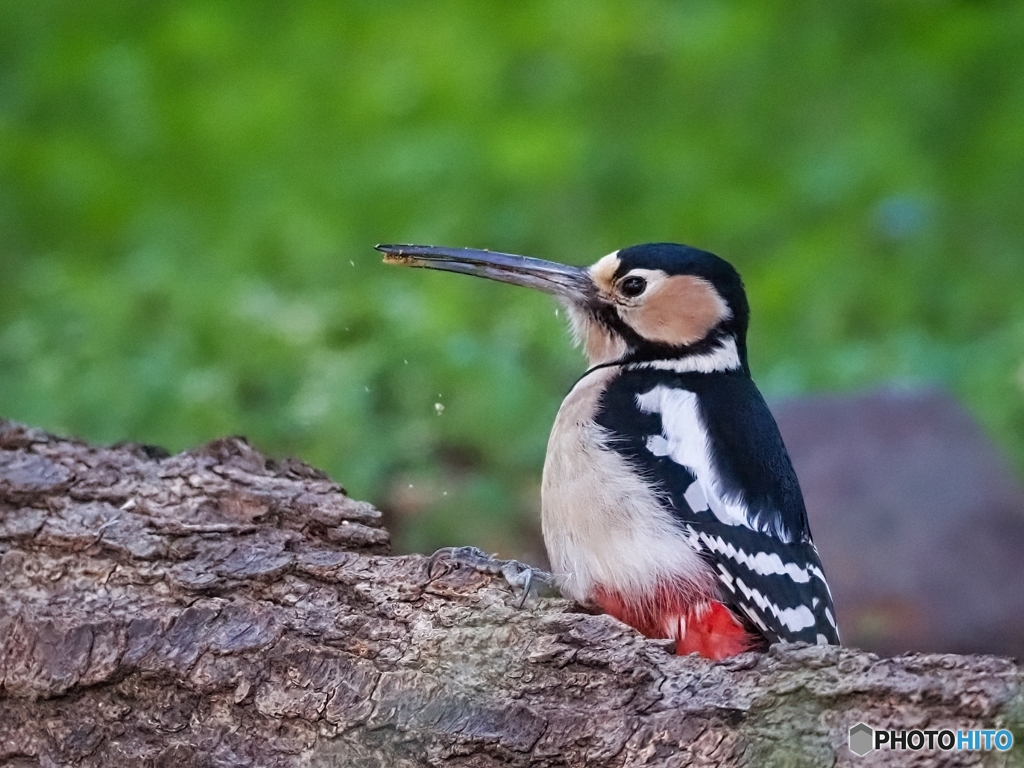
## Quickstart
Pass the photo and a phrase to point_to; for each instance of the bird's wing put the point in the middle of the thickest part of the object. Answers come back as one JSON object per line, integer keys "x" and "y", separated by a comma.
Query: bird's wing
{"x": 710, "y": 445}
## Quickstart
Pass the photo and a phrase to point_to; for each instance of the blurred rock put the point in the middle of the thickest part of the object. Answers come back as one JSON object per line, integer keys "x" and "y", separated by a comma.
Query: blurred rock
{"x": 919, "y": 521}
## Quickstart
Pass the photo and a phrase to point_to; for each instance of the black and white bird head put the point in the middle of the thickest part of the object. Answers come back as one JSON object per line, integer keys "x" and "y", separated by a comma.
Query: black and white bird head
{"x": 659, "y": 301}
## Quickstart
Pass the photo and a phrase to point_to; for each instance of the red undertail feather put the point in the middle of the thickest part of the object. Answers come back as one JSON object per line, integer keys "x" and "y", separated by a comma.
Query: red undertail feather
{"x": 697, "y": 624}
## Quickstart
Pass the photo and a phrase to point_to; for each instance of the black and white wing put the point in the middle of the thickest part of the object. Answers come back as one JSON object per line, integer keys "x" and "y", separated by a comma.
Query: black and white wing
{"x": 710, "y": 444}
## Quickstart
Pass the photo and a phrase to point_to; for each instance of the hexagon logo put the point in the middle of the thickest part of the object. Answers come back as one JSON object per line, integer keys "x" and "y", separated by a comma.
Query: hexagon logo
{"x": 862, "y": 739}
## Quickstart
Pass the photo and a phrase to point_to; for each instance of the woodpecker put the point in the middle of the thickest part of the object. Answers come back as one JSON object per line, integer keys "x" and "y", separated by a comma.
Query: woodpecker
{"x": 668, "y": 498}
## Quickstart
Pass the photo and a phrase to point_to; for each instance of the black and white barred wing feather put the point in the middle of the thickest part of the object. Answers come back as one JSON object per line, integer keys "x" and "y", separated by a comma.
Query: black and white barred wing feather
{"x": 713, "y": 447}
{"x": 786, "y": 599}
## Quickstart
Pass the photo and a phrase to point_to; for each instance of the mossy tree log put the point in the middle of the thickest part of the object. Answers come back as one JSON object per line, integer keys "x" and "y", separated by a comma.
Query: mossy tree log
{"x": 217, "y": 609}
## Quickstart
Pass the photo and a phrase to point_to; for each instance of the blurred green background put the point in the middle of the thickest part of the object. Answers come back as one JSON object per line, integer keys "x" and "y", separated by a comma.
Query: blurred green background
{"x": 189, "y": 194}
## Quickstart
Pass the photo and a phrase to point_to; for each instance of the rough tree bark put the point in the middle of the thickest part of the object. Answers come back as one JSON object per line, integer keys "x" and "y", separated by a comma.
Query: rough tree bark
{"x": 217, "y": 609}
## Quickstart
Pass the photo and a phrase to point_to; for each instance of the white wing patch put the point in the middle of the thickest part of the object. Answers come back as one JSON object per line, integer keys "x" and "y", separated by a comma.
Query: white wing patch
{"x": 684, "y": 440}
{"x": 695, "y": 498}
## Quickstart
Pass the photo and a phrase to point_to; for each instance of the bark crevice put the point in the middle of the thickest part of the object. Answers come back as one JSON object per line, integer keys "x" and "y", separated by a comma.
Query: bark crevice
{"x": 214, "y": 608}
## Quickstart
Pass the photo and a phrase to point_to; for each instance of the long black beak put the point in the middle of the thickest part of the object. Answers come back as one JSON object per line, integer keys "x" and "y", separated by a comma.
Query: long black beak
{"x": 570, "y": 283}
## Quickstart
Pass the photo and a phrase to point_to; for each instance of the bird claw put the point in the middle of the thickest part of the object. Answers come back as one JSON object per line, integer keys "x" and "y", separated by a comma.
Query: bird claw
{"x": 518, "y": 575}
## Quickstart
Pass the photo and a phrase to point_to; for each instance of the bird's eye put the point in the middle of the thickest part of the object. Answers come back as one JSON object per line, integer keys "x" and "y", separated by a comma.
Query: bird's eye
{"x": 632, "y": 286}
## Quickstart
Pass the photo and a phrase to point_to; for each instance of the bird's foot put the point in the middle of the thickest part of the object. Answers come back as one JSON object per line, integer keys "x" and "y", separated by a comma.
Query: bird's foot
{"x": 519, "y": 576}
